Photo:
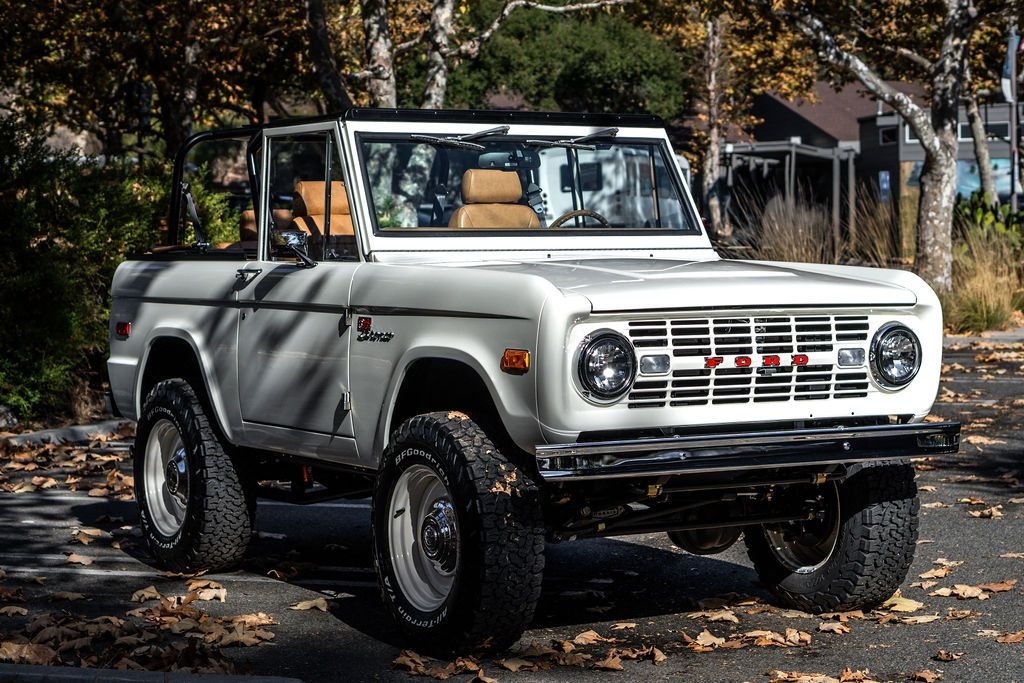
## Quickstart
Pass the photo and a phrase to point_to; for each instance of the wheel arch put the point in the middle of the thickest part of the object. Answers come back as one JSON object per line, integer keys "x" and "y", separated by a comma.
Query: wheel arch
{"x": 172, "y": 353}
{"x": 430, "y": 382}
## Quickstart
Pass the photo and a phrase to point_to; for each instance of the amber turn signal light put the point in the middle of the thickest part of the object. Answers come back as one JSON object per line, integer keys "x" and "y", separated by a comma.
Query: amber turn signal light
{"x": 515, "y": 361}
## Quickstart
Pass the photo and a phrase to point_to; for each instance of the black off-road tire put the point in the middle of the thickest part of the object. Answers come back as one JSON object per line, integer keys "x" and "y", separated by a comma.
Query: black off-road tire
{"x": 878, "y": 514}
{"x": 501, "y": 537}
{"x": 221, "y": 508}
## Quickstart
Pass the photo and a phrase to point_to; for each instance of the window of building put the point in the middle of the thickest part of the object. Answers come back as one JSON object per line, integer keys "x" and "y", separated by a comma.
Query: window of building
{"x": 888, "y": 135}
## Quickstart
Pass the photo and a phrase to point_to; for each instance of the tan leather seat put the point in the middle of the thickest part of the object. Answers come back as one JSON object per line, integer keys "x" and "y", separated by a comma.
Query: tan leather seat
{"x": 490, "y": 201}
{"x": 247, "y": 223}
{"x": 309, "y": 205}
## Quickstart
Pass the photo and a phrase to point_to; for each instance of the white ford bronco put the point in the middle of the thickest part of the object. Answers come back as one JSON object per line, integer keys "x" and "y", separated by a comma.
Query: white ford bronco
{"x": 512, "y": 330}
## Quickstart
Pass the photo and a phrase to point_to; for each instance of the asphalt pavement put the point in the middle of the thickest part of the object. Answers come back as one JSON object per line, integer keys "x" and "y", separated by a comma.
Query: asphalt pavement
{"x": 657, "y": 595}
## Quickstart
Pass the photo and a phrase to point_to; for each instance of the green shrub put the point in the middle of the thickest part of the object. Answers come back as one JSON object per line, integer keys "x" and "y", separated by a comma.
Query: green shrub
{"x": 66, "y": 224}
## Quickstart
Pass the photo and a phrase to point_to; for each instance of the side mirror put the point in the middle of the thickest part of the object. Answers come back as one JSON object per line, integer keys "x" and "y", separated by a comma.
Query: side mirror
{"x": 291, "y": 243}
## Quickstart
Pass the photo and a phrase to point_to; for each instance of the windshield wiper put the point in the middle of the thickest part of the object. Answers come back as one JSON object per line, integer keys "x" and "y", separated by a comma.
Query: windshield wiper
{"x": 462, "y": 141}
{"x": 577, "y": 143}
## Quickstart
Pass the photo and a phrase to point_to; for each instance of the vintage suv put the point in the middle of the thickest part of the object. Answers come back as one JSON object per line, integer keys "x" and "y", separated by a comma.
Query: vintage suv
{"x": 512, "y": 329}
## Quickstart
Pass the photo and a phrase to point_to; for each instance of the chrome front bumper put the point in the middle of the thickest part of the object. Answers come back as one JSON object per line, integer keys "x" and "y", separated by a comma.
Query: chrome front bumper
{"x": 744, "y": 451}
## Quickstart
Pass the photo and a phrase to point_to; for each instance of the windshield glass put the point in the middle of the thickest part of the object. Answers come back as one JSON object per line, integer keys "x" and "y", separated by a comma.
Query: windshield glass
{"x": 446, "y": 185}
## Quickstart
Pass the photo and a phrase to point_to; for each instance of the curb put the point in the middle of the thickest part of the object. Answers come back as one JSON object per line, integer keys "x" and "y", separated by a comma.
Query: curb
{"x": 74, "y": 434}
{"x": 16, "y": 673}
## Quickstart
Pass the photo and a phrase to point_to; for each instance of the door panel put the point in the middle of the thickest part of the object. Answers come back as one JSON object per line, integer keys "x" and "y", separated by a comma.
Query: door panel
{"x": 293, "y": 342}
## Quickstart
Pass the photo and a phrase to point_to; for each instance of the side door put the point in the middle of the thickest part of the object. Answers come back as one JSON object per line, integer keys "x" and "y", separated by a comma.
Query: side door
{"x": 293, "y": 315}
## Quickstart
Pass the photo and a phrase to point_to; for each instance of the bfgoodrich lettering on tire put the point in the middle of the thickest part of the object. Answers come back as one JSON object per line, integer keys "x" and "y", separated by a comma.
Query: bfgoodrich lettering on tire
{"x": 855, "y": 556}
{"x": 458, "y": 536}
{"x": 196, "y": 513}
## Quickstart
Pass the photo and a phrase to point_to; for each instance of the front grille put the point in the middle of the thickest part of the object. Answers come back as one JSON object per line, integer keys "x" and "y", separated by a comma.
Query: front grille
{"x": 691, "y": 340}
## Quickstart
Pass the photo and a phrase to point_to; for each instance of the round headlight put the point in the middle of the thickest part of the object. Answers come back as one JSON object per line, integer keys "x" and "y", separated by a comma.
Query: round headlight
{"x": 895, "y": 355}
{"x": 607, "y": 365}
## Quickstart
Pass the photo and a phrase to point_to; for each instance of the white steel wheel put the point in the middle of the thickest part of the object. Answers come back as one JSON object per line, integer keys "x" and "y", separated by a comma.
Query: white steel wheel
{"x": 423, "y": 537}
{"x": 805, "y": 547}
{"x": 167, "y": 477}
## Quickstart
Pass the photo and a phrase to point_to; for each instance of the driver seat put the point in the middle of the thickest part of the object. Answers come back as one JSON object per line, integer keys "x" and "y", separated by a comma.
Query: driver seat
{"x": 491, "y": 200}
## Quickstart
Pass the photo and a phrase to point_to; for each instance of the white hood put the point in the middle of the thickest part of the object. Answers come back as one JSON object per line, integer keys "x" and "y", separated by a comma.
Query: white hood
{"x": 652, "y": 284}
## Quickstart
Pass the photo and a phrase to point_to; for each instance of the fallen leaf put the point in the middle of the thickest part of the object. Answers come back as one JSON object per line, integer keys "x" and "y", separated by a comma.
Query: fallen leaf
{"x": 927, "y": 489}
{"x": 944, "y": 656}
{"x": 1013, "y": 556}
{"x": 315, "y": 603}
{"x": 410, "y": 661}
{"x": 924, "y": 585}
{"x": 26, "y": 653}
{"x": 971, "y": 500}
{"x": 716, "y": 615}
{"x": 481, "y": 678}
{"x": 207, "y": 594}
{"x": 988, "y": 513}
{"x": 898, "y": 603}
{"x": 514, "y": 664}
{"x": 833, "y": 627}
{"x": 65, "y": 595}
{"x": 200, "y": 584}
{"x": 925, "y": 676}
{"x": 1017, "y": 637}
{"x": 948, "y": 563}
{"x": 708, "y": 639}
{"x": 934, "y": 505}
{"x": 610, "y": 663}
{"x": 75, "y": 558}
{"x": 590, "y": 637}
{"x": 798, "y": 677}
{"x": 624, "y": 625}
{"x": 144, "y": 594}
{"x": 958, "y": 614}
{"x": 13, "y": 611}
{"x": 998, "y": 586}
{"x": 937, "y": 573}
{"x": 920, "y": 619}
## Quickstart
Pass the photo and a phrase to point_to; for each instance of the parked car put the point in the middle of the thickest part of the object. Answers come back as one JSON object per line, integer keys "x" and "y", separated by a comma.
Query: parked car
{"x": 512, "y": 330}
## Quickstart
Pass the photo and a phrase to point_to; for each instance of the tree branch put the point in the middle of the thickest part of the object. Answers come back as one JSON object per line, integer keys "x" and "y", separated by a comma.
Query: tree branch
{"x": 815, "y": 31}
{"x": 402, "y": 48}
{"x": 471, "y": 47}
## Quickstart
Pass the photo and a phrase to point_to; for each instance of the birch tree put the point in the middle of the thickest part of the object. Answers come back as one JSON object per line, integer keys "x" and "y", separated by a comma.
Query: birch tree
{"x": 835, "y": 32}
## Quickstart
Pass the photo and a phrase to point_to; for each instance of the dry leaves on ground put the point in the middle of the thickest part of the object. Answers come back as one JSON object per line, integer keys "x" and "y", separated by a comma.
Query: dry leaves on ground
{"x": 994, "y": 512}
{"x": 943, "y": 656}
{"x": 707, "y": 641}
{"x": 315, "y": 603}
{"x": 925, "y": 676}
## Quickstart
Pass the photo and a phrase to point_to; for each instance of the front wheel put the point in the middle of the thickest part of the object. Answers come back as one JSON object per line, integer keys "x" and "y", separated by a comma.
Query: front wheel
{"x": 458, "y": 536}
{"x": 854, "y": 555}
{"x": 196, "y": 511}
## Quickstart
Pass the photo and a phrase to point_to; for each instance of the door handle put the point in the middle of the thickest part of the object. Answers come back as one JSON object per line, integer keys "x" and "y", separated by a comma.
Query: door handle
{"x": 243, "y": 273}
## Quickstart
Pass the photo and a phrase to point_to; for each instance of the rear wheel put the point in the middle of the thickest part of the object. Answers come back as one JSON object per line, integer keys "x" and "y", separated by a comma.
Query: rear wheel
{"x": 196, "y": 513}
{"x": 458, "y": 536}
{"x": 854, "y": 555}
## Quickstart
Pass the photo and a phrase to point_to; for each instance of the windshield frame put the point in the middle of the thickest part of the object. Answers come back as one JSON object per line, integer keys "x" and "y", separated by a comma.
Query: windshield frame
{"x": 564, "y": 239}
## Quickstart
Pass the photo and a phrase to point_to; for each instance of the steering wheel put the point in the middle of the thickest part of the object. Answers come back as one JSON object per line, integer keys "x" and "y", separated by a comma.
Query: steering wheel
{"x": 557, "y": 223}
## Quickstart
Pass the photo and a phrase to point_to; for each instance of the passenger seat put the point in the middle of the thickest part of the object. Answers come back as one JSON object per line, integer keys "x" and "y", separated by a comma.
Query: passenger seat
{"x": 309, "y": 205}
{"x": 490, "y": 200}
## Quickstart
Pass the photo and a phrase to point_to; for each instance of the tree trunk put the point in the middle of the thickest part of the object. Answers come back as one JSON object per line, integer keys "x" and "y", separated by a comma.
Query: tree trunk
{"x": 436, "y": 88}
{"x": 380, "y": 55}
{"x": 711, "y": 169}
{"x": 981, "y": 154}
{"x": 934, "y": 220}
{"x": 324, "y": 66}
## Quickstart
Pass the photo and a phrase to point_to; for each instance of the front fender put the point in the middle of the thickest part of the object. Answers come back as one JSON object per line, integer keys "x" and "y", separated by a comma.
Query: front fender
{"x": 213, "y": 385}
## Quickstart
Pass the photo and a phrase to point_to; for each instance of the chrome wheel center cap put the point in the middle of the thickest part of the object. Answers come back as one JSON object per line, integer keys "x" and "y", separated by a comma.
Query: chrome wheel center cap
{"x": 439, "y": 536}
{"x": 176, "y": 476}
